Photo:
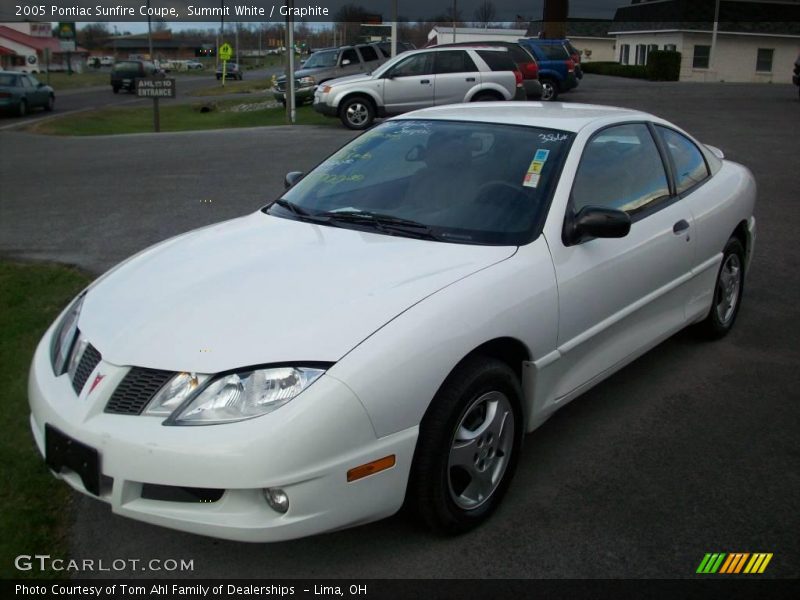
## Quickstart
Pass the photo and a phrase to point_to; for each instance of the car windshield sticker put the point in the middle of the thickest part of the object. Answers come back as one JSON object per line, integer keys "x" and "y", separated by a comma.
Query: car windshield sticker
{"x": 546, "y": 138}
{"x": 535, "y": 168}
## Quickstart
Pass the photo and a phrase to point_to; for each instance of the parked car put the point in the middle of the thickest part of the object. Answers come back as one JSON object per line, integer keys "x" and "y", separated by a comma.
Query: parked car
{"x": 331, "y": 63}
{"x": 453, "y": 277}
{"x": 194, "y": 65}
{"x": 125, "y": 72}
{"x": 106, "y": 61}
{"x": 232, "y": 71}
{"x": 522, "y": 58}
{"x": 421, "y": 78}
{"x": 556, "y": 68}
{"x": 20, "y": 92}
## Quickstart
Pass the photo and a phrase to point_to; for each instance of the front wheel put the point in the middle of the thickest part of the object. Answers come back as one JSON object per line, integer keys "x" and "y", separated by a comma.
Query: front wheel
{"x": 51, "y": 102}
{"x": 486, "y": 97}
{"x": 549, "y": 90}
{"x": 469, "y": 441}
{"x": 357, "y": 113}
{"x": 727, "y": 293}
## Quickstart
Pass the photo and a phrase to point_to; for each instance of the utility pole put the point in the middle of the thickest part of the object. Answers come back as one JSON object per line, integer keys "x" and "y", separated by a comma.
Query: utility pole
{"x": 238, "y": 24}
{"x": 454, "y": 21}
{"x": 149, "y": 32}
{"x": 394, "y": 28}
{"x": 714, "y": 37}
{"x": 289, "y": 93}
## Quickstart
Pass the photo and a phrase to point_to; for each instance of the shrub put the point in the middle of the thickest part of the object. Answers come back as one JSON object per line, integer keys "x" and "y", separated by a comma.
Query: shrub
{"x": 663, "y": 65}
{"x": 615, "y": 69}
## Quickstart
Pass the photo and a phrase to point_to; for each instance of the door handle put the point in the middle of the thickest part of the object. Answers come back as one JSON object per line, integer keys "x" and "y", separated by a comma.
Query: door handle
{"x": 424, "y": 81}
{"x": 680, "y": 227}
{"x": 470, "y": 79}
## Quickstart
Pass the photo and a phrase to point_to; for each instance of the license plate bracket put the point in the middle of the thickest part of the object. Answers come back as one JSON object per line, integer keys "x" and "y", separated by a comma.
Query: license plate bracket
{"x": 62, "y": 451}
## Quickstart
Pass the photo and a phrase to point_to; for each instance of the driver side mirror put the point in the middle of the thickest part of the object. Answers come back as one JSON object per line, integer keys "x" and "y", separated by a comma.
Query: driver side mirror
{"x": 598, "y": 222}
{"x": 292, "y": 177}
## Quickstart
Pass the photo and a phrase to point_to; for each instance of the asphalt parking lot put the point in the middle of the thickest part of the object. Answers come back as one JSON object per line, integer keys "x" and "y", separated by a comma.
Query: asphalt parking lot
{"x": 693, "y": 448}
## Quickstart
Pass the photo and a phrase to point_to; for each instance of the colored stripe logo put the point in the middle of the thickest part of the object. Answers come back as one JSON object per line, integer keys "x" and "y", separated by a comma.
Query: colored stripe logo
{"x": 734, "y": 563}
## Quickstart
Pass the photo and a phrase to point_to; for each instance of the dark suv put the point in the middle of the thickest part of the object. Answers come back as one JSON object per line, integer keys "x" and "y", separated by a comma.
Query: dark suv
{"x": 125, "y": 72}
{"x": 521, "y": 57}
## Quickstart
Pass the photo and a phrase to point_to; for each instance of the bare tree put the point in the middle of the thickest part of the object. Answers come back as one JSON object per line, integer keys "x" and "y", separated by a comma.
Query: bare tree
{"x": 485, "y": 13}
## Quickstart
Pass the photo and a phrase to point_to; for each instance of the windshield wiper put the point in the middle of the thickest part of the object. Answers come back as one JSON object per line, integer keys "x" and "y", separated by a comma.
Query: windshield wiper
{"x": 291, "y": 206}
{"x": 389, "y": 224}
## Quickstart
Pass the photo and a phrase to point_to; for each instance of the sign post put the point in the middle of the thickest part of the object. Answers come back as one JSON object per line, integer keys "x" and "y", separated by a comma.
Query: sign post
{"x": 155, "y": 88}
{"x": 224, "y": 53}
{"x": 67, "y": 37}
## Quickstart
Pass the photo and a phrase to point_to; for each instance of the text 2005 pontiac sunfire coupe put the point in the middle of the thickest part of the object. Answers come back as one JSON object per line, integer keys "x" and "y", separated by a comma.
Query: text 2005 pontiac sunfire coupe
{"x": 390, "y": 328}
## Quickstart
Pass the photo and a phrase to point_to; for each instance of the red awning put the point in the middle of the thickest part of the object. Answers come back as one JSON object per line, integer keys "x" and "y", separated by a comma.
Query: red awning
{"x": 6, "y": 51}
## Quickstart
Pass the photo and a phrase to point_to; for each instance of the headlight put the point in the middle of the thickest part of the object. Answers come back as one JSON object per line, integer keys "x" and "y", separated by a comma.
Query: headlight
{"x": 64, "y": 337}
{"x": 326, "y": 89}
{"x": 306, "y": 81}
{"x": 174, "y": 393}
{"x": 242, "y": 395}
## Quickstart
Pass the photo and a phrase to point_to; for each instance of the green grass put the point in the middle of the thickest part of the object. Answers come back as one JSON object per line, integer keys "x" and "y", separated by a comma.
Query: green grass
{"x": 234, "y": 87}
{"x": 180, "y": 117}
{"x": 33, "y": 504}
{"x": 63, "y": 81}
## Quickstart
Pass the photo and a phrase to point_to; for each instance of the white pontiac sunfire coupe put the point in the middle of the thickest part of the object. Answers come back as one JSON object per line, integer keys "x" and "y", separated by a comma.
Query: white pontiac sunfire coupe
{"x": 390, "y": 328}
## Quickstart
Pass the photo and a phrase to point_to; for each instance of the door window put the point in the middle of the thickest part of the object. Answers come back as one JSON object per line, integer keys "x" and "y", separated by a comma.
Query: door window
{"x": 621, "y": 169}
{"x": 690, "y": 166}
{"x": 368, "y": 53}
{"x": 351, "y": 55}
{"x": 419, "y": 64}
{"x": 454, "y": 61}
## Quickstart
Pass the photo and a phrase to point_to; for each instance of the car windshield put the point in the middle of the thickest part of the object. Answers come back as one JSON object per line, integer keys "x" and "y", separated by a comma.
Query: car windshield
{"x": 9, "y": 80}
{"x": 472, "y": 183}
{"x": 325, "y": 58}
{"x": 126, "y": 66}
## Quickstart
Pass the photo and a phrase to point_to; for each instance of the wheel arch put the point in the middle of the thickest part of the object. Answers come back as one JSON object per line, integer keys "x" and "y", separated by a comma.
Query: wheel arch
{"x": 356, "y": 94}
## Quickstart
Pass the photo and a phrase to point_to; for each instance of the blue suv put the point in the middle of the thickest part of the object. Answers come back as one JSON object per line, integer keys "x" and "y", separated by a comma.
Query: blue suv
{"x": 556, "y": 67}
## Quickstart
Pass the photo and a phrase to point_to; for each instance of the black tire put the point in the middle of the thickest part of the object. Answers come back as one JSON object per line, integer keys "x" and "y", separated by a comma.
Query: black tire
{"x": 440, "y": 492}
{"x": 486, "y": 97}
{"x": 357, "y": 113}
{"x": 115, "y": 89}
{"x": 549, "y": 89}
{"x": 724, "y": 307}
{"x": 22, "y": 109}
{"x": 51, "y": 102}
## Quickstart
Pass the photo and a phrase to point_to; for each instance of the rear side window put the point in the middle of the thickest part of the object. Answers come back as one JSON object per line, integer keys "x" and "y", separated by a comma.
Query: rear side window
{"x": 621, "y": 169}
{"x": 368, "y": 53}
{"x": 690, "y": 166}
{"x": 497, "y": 61}
{"x": 453, "y": 61}
{"x": 519, "y": 54}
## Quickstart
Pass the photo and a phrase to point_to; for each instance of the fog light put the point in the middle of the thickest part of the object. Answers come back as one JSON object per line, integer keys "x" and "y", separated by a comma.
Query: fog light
{"x": 277, "y": 499}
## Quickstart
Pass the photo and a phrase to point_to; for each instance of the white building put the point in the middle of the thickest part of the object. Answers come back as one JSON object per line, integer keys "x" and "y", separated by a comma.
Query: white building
{"x": 761, "y": 50}
{"x": 444, "y": 35}
{"x": 31, "y": 48}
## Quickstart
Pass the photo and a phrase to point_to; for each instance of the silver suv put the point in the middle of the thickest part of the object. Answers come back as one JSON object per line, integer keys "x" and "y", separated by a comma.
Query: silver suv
{"x": 419, "y": 79}
{"x": 327, "y": 64}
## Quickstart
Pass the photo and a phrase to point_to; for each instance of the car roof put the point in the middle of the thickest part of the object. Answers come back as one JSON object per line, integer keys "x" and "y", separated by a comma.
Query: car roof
{"x": 550, "y": 115}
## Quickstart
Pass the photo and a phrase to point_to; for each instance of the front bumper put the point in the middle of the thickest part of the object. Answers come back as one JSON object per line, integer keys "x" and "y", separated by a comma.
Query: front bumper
{"x": 324, "y": 108}
{"x": 304, "y": 448}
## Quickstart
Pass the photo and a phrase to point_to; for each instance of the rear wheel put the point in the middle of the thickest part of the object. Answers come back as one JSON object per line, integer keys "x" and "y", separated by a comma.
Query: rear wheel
{"x": 51, "y": 102}
{"x": 727, "y": 293}
{"x": 549, "y": 90}
{"x": 357, "y": 113}
{"x": 468, "y": 445}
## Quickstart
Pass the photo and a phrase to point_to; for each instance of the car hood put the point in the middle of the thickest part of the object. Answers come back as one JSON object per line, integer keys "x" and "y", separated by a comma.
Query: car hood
{"x": 262, "y": 289}
{"x": 357, "y": 78}
{"x": 306, "y": 72}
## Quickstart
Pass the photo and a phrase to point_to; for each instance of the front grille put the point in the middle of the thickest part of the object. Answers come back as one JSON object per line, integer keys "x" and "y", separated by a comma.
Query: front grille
{"x": 136, "y": 390}
{"x": 89, "y": 360}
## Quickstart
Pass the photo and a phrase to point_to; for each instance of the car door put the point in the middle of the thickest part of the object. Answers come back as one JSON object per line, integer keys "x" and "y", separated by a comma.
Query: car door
{"x": 408, "y": 85}
{"x": 36, "y": 93}
{"x": 618, "y": 297}
{"x": 455, "y": 73}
